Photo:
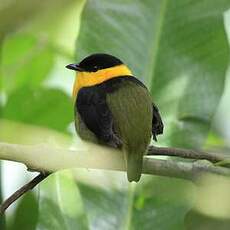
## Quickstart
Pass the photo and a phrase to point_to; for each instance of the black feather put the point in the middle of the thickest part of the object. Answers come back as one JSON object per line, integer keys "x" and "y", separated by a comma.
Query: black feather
{"x": 99, "y": 61}
{"x": 157, "y": 124}
{"x": 92, "y": 107}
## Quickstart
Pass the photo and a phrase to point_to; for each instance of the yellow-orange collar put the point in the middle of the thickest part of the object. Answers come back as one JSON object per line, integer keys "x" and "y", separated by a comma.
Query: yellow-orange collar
{"x": 84, "y": 79}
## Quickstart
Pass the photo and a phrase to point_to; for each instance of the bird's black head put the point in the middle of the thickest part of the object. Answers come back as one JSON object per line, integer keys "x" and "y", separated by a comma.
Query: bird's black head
{"x": 95, "y": 62}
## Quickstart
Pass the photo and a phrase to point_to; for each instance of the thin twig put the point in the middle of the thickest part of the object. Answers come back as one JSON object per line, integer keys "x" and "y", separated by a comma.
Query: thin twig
{"x": 186, "y": 153}
{"x": 182, "y": 170}
{"x": 21, "y": 191}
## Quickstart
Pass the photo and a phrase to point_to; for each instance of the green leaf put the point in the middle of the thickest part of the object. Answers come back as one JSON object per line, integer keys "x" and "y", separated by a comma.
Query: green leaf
{"x": 25, "y": 13}
{"x": 157, "y": 200}
{"x": 178, "y": 48}
{"x": 26, "y": 61}
{"x": 45, "y": 107}
{"x": 151, "y": 205}
{"x": 211, "y": 207}
{"x": 199, "y": 221}
{"x": 27, "y": 207}
{"x": 105, "y": 208}
{"x": 60, "y": 204}
{"x": 2, "y": 218}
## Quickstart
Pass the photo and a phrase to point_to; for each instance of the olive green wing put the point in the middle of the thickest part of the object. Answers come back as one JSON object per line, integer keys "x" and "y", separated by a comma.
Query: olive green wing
{"x": 119, "y": 112}
{"x": 132, "y": 111}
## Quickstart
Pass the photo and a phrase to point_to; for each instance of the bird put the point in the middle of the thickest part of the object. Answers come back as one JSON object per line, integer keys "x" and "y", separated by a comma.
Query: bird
{"x": 114, "y": 108}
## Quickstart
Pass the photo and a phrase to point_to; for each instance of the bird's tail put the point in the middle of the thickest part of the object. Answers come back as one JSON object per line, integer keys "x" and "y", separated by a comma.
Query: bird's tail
{"x": 134, "y": 163}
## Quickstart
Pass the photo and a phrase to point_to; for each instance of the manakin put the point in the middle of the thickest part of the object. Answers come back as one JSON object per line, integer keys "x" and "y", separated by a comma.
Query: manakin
{"x": 114, "y": 108}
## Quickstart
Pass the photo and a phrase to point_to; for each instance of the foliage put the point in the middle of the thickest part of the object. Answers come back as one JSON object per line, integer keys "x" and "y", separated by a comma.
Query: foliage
{"x": 178, "y": 48}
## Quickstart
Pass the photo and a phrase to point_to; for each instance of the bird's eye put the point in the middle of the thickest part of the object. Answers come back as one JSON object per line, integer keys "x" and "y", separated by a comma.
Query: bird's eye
{"x": 95, "y": 67}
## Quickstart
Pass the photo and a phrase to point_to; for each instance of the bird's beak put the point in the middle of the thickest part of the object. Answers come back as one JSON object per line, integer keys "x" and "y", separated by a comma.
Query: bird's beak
{"x": 75, "y": 67}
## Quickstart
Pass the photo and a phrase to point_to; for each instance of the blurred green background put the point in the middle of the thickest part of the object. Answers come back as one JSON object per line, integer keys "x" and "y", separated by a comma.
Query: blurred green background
{"x": 179, "y": 49}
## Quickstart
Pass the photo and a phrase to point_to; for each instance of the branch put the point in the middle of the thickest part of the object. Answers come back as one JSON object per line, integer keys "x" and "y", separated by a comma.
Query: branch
{"x": 187, "y": 153}
{"x": 45, "y": 158}
{"x": 182, "y": 170}
{"x": 15, "y": 196}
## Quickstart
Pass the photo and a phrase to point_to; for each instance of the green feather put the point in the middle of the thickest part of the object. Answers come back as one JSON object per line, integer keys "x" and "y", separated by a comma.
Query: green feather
{"x": 131, "y": 106}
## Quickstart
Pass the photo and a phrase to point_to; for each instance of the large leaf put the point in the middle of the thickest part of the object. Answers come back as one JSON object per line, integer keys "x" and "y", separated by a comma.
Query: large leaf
{"x": 178, "y": 48}
{"x": 151, "y": 206}
{"x": 46, "y": 107}
{"x": 60, "y": 204}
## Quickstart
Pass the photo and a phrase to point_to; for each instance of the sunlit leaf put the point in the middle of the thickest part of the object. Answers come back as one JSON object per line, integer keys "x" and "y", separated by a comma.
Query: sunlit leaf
{"x": 211, "y": 209}
{"x": 25, "y": 12}
{"x": 26, "y": 61}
